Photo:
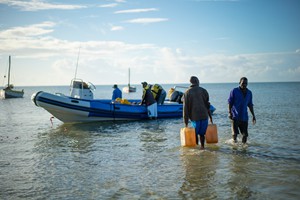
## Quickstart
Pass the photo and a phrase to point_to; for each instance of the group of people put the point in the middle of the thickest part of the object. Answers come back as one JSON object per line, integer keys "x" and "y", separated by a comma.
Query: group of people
{"x": 153, "y": 95}
{"x": 196, "y": 109}
{"x": 196, "y": 106}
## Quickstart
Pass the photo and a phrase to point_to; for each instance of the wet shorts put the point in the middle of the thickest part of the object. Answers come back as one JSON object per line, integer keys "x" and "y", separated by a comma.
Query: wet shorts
{"x": 200, "y": 126}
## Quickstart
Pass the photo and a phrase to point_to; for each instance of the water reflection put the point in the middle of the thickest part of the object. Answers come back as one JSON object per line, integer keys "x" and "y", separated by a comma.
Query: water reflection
{"x": 200, "y": 174}
{"x": 64, "y": 137}
{"x": 153, "y": 137}
{"x": 70, "y": 156}
{"x": 144, "y": 160}
{"x": 114, "y": 159}
{"x": 241, "y": 177}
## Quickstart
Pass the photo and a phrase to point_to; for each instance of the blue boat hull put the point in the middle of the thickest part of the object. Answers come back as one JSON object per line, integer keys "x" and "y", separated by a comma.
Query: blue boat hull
{"x": 72, "y": 110}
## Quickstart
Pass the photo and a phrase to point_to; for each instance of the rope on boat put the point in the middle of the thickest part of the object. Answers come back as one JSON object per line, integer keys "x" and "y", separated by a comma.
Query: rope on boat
{"x": 51, "y": 121}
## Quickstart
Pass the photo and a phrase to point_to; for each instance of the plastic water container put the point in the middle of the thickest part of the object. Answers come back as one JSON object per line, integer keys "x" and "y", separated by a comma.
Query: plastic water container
{"x": 211, "y": 134}
{"x": 188, "y": 137}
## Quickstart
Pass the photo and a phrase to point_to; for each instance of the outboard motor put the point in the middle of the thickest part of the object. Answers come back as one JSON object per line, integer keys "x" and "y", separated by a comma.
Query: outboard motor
{"x": 176, "y": 96}
{"x": 81, "y": 90}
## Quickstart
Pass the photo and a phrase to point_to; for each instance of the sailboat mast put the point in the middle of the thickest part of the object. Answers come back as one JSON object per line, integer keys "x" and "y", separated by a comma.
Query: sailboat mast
{"x": 129, "y": 79}
{"x": 9, "y": 62}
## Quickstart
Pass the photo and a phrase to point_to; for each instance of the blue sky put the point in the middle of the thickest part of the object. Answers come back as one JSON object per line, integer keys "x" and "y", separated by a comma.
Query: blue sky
{"x": 162, "y": 41}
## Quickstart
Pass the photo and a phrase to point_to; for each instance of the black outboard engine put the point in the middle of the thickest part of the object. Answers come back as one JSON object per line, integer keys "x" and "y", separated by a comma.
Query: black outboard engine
{"x": 176, "y": 96}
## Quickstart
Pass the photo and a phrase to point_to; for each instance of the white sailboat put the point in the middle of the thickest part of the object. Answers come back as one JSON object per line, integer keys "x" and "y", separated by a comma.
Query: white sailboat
{"x": 129, "y": 88}
{"x": 8, "y": 91}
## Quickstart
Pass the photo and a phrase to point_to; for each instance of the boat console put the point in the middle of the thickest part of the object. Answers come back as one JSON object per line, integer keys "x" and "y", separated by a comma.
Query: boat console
{"x": 81, "y": 90}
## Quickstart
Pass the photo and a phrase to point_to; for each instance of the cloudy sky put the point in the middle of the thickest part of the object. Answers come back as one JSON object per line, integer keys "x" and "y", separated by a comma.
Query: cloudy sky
{"x": 161, "y": 41}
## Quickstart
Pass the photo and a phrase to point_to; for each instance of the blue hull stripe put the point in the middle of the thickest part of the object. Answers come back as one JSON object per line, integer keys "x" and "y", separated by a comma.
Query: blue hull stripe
{"x": 111, "y": 112}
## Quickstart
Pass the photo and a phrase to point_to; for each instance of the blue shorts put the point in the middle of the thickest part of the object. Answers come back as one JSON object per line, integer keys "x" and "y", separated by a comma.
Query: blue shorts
{"x": 200, "y": 126}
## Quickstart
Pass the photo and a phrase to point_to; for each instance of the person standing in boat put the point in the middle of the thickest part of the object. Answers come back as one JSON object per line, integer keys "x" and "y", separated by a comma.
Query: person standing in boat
{"x": 159, "y": 94}
{"x": 240, "y": 99}
{"x": 117, "y": 93}
{"x": 149, "y": 101}
{"x": 196, "y": 108}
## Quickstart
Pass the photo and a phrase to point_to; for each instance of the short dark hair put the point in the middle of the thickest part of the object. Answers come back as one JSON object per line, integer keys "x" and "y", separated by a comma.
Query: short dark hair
{"x": 243, "y": 78}
{"x": 194, "y": 80}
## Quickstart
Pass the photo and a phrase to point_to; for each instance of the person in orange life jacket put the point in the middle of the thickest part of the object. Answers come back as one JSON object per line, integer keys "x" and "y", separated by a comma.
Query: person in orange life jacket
{"x": 159, "y": 94}
{"x": 196, "y": 108}
{"x": 117, "y": 93}
{"x": 240, "y": 99}
{"x": 149, "y": 101}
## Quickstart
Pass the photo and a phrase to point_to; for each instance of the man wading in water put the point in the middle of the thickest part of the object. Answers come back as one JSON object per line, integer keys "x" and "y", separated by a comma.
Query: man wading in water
{"x": 196, "y": 108}
{"x": 239, "y": 100}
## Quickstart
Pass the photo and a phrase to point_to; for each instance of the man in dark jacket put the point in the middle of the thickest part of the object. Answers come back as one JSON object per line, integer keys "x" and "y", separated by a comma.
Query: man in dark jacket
{"x": 196, "y": 108}
{"x": 149, "y": 101}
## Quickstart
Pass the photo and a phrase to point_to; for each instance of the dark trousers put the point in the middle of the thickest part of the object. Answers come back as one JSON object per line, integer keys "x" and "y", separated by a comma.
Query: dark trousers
{"x": 239, "y": 127}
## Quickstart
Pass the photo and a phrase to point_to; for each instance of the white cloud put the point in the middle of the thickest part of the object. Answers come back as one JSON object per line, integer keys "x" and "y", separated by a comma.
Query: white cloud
{"x": 117, "y": 28}
{"x": 136, "y": 10}
{"x": 26, "y": 31}
{"x": 111, "y": 5}
{"x": 35, "y": 5}
{"x": 146, "y": 20}
{"x": 106, "y": 59}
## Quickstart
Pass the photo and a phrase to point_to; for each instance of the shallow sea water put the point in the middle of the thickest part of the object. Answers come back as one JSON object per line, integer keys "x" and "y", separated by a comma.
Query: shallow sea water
{"x": 144, "y": 159}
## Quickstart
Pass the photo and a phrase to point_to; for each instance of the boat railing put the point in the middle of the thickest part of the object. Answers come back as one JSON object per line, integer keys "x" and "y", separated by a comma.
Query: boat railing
{"x": 81, "y": 90}
{"x": 181, "y": 87}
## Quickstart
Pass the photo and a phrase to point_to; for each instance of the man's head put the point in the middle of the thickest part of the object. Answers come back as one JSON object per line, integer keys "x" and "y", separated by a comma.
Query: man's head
{"x": 194, "y": 80}
{"x": 144, "y": 84}
{"x": 115, "y": 86}
{"x": 243, "y": 83}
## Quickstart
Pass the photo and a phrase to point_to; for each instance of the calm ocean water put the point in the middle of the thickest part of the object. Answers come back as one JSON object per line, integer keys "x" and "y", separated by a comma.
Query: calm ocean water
{"x": 144, "y": 159}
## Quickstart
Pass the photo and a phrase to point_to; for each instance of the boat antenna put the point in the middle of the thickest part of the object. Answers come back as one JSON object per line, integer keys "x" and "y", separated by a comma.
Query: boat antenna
{"x": 77, "y": 62}
{"x": 128, "y": 78}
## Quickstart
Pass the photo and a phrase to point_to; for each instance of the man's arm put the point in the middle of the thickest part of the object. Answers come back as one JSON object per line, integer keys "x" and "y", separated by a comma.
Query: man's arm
{"x": 253, "y": 115}
{"x": 229, "y": 111}
{"x": 185, "y": 110}
{"x": 210, "y": 117}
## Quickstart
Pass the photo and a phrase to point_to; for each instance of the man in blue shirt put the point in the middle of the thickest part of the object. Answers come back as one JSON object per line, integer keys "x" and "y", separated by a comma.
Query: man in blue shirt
{"x": 240, "y": 99}
{"x": 117, "y": 93}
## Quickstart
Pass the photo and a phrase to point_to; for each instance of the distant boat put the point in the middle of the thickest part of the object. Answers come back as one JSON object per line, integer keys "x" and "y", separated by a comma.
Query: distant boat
{"x": 8, "y": 91}
{"x": 129, "y": 88}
